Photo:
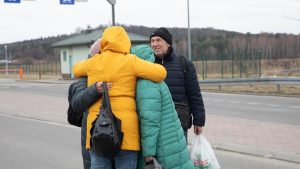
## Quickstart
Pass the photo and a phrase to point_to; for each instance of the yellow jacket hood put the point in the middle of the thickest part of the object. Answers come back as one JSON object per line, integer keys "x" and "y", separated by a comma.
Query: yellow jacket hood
{"x": 115, "y": 39}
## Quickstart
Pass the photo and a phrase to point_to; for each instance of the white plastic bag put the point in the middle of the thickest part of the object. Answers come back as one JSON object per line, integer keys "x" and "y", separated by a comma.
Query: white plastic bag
{"x": 202, "y": 154}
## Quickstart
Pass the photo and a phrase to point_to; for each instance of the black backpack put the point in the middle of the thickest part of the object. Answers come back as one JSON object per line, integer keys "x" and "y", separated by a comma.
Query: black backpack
{"x": 74, "y": 118}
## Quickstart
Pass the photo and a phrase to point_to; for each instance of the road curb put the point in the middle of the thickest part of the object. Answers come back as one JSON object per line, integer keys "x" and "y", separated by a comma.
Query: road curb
{"x": 243, "y": 149}
{"x": 292, "y": 157}
{"x": 48, "y": 81}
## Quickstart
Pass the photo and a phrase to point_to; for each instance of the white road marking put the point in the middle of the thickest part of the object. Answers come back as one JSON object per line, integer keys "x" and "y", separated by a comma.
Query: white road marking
{"x": 253, "y": 103}
{"x": 234, "y": 102}
{"x": 273, "y": 105}
{"x": 38, "y": 120}
{"x": 294, "y": 107}
{"x": 218, "y": 100}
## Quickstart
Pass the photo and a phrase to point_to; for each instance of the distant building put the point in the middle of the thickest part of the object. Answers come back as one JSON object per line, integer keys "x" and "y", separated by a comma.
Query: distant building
{"x": 76, "y": 48}
{"x": 8, "y": 61}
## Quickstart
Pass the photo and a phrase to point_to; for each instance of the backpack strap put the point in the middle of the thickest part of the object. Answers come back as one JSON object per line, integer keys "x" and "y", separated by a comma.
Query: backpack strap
{"x": 183, "y": 64}
{"x": 187, "y": 121}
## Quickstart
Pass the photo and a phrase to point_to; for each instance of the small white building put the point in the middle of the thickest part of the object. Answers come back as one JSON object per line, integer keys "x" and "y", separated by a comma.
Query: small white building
{"x": 76, "y": 48}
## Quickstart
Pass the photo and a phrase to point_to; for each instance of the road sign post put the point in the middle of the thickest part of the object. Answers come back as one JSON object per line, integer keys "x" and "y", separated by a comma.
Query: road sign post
{"x": 189, "y": 33}
{"x": 6, "y": 61}
{"x": 113, "y": 3}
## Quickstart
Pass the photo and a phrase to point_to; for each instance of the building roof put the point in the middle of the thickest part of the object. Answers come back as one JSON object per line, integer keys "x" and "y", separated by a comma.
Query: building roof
{"x": 88, "y": 37}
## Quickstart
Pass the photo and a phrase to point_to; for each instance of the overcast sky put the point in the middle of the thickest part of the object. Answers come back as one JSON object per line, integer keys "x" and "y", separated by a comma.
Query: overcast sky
{"x": 42, "y": 18}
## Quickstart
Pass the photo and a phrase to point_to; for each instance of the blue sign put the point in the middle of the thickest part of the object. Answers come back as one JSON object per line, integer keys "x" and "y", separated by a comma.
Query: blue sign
{"x": 12, "y": 1}
{"x": 67, "y": 2}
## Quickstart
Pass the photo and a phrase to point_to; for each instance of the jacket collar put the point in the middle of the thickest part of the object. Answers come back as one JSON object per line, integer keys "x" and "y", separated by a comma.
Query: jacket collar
{"x": 170, "y": 54}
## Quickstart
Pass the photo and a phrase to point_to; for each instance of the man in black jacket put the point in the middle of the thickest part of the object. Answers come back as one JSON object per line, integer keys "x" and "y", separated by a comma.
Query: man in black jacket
{"x": 181, "y": 77}
{"x": 82, "y": 99}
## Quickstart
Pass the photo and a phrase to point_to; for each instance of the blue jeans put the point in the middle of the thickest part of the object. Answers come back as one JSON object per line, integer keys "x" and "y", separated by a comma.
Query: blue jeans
{"x": 124, "y": 160}
{"x": 84, "y": 152}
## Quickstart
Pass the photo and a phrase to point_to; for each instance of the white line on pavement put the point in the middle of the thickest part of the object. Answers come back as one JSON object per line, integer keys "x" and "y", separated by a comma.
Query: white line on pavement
{"x": 218, "y": 100}
{"x": 273, "y": 105}
{"x": 37, "y": 120}
{"x": 234, "y": 102}
{"x": 253, "y": 103}
{"x": 294, "y": 107}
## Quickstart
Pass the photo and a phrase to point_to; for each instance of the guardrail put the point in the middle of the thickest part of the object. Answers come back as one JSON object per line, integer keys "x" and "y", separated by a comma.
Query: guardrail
{"x": 278, "y": 81}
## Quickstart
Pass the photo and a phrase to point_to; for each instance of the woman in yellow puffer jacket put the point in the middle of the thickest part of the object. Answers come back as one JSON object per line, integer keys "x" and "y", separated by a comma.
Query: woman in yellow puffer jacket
{"x": 117, "y": 66}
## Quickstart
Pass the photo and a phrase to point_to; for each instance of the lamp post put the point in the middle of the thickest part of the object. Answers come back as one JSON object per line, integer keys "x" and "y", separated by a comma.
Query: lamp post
{"x": 189, "y": 32}
{"x": 259, "y": 63}
{"x": 6, "y": 61}
{"x": 113, "y": 3}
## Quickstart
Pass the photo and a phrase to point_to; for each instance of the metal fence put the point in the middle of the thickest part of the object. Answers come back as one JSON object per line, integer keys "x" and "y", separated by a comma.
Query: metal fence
{"x": 225, "y": 69}
{"x": 206, "y": 69}
{"x": 32, "y": 71}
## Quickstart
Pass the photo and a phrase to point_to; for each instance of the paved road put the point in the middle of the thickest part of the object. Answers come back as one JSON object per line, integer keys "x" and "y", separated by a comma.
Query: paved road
{"x": 36, "y": 144}
{"x": 263, "y": 108}
{"x": 267, "y": 126}
{"x": 59, "y": 88}
{"x": 45, "y": 104}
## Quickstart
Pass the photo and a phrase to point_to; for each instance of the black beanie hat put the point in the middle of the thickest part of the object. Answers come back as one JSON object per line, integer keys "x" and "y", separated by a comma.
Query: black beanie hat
{"x": 163, "y": 33}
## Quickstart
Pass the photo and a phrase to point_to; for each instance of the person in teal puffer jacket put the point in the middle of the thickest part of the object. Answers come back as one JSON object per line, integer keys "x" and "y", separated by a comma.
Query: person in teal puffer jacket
{"x": 162, "y": 136}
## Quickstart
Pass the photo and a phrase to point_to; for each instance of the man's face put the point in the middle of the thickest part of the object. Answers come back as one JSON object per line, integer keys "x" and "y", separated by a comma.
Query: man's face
{"x": 159, "y": 46}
